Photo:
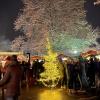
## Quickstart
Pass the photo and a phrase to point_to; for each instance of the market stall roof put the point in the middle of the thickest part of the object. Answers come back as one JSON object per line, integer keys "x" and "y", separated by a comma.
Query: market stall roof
{"x": 36, "y": 57}
{"x": 90, "y": 52}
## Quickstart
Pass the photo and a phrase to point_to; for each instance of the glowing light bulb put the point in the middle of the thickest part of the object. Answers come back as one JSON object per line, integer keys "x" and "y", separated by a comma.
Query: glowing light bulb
{"x": 75, "y": 51}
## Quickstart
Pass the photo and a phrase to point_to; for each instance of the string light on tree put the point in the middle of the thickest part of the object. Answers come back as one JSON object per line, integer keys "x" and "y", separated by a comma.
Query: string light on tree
{"x": 53, "y": 73}
{"x": 52, "y": 16}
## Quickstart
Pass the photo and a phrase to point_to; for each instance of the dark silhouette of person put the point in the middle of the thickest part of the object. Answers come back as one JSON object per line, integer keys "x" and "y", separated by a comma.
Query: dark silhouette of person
{"x": 91, "y": 72}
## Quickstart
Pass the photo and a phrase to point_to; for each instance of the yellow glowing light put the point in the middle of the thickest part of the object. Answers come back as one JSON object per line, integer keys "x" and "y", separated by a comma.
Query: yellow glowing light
{"x": 50, "y": 95}
{"x": 98, "y": 57}
{"x": 11, "y": 53}
{"x": 52, "y": 73}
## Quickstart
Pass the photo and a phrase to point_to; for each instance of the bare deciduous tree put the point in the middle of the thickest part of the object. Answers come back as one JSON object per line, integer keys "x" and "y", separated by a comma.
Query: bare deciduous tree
{"x": 53, "y": 17}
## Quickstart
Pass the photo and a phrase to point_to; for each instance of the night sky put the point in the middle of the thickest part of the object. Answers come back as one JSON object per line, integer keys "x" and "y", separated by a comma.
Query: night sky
{"x": 9, "y": 10}
{"x": 92, "y": 13}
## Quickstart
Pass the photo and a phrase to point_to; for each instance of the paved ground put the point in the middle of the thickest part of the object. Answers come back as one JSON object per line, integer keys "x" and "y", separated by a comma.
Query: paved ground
{"x": 42, "y": 93}
{"x": 45, "y": 94}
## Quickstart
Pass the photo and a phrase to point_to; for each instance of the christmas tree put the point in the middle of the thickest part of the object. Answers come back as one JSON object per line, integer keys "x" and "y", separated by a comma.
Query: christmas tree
{"x": 53, "y": 73}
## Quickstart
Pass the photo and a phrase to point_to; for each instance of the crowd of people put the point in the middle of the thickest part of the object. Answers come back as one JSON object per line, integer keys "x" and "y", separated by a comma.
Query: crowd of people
{"x": 15, "y": 74}
{"x": 81, "y": 74}
{"x": 31, "y": 71}
{"x": 78, "y": 74}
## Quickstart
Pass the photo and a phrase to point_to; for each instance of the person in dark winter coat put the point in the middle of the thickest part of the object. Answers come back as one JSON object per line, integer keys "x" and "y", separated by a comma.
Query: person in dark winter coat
{"x": 11, "y": 79}
{"x": 91, "y": 72}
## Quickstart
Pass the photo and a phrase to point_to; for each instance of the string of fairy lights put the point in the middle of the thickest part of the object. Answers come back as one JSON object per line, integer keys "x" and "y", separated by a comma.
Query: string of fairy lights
{"x": 53, "y": 73}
